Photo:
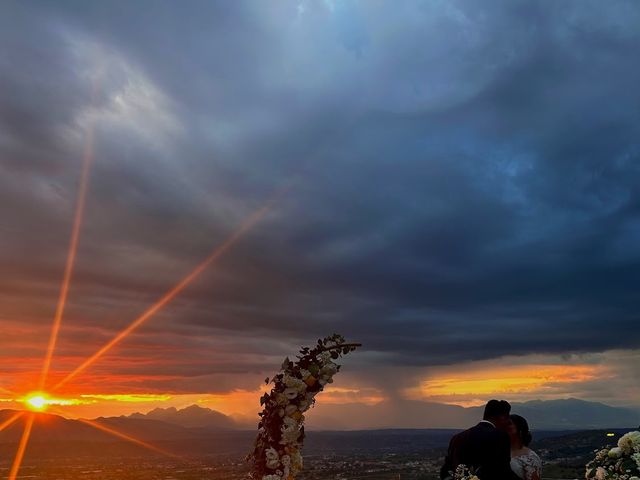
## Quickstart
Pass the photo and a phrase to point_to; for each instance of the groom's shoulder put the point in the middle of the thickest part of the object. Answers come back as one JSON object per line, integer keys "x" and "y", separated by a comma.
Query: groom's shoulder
{"x": 484, "y": 430}
{"x": 482, "y": 427}
{"x": 467, "y": 434}
{"x": 460, "y": 437}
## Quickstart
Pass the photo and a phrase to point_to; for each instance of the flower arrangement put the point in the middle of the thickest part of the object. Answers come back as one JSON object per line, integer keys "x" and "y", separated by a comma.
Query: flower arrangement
{"x": 464, "y": 473}
{"x": 276, "y": 454}
{"x": 618, "y": 463}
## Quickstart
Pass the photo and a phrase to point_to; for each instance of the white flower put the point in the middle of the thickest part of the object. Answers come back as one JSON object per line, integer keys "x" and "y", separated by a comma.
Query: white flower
{"x": 305, "y": 373}
{"x": 601, "y": 473}
{"x": 296, "y": 383}
{"x": 304, "y": 405}
{"x": 296, "y": 461}
{"x": 325, "y": 357}
{"x": 290, "y": 393}
{"x": 289, "y": 438}
{"x": 289, "y": 409}
{"x": 286, "y": 461}
{"x": 329, "y": 370}
{"x": 272, "y": 457}
{"x": 629, "y": 442}
{"x": 281, "y": 399}
{"x": 290, "y": 431}
{"x": 289, "y": 424}
{"x": 615, "y": 452}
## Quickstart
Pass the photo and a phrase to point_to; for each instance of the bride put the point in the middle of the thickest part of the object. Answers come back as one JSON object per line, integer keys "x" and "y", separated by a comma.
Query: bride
{"x": 524, "y": 461}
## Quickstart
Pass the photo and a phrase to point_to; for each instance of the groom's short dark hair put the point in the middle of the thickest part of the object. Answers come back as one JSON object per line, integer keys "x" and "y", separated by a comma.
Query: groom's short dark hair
{"x": 495, "y": 408}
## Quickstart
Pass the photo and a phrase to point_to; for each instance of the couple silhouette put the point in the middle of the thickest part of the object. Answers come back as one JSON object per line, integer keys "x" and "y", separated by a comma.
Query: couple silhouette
{"x": 497, "y": 448}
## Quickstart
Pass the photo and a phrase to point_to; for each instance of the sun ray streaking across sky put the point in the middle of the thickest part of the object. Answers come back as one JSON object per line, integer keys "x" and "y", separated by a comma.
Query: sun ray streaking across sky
{"x": 87, "y": 160}
{"x": 171, "y": 294}
{"x": 129, "y": 438}
{"x": 11, "y": 420}
{"x": 22, "y": 447}
{"x": 6, "y": 391}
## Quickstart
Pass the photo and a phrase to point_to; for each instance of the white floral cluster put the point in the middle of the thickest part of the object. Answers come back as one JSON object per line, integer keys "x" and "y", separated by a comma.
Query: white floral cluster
{"x": 280, "y": 437}
{"x": 618, "y": 463}
{"x": 464, "y": 473}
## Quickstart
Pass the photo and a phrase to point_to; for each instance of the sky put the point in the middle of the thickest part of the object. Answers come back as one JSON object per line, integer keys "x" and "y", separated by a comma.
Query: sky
{"x": 455, "y": 185}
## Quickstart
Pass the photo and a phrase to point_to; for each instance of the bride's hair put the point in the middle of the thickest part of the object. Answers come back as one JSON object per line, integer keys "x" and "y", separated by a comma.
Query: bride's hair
{"x": 523, "y": 429}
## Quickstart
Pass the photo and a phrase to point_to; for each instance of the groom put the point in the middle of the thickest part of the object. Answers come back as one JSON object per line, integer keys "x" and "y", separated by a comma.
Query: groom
{"x": 485, "y": 448}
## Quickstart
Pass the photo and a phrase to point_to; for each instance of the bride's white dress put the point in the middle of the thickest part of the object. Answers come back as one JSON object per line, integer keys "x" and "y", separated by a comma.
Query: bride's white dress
{"x": 527, "y": 465}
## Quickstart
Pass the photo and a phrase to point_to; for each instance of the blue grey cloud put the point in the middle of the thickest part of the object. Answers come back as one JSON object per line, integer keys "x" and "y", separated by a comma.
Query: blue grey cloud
{"x": 463, "y": 177}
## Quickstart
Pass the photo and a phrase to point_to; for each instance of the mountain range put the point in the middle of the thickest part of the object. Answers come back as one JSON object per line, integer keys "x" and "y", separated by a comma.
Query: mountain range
{"x": 567, "y": 414}
{"x": 203, "y": 426}
{"x": 190, "y": 417}
{"x": 54, "y": 437}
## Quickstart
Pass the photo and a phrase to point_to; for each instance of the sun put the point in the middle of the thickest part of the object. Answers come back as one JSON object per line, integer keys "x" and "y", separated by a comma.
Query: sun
{"x": 37, "y": 401}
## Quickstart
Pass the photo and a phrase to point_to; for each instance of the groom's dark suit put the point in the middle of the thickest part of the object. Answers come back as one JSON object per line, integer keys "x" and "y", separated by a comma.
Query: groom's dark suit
{"x": 483, "y": 448}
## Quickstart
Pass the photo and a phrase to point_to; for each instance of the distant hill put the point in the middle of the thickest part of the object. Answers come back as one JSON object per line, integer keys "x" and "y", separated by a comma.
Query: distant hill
{"x": 569, "y": 414}
{"x": 190, "y": 417}
{"x": 54, "y": 436}
{"x": 573, "y": 413}
{"x": 54, "y": 428}
{"x": 388, "y": 415}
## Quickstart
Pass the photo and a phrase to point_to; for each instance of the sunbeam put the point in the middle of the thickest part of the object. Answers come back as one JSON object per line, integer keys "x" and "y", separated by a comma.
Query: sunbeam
{"x": 167, "y": 297}
{"x": 129, "y": 438}
{"x": 11, "y": 420}
{"x": 6, "y": 391}
{"x": 87, "y": 160}
{"x": 24, "y": 441}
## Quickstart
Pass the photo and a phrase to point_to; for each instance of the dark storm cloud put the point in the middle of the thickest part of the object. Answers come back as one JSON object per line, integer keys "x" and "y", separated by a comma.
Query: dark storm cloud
{"x": 464, "y": 178}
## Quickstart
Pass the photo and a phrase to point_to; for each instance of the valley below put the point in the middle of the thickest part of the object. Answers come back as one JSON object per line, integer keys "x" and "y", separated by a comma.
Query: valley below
{"x": 372, "y": 454}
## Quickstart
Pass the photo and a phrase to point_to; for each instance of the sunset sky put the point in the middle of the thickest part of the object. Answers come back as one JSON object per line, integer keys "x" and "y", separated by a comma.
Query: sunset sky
{"x": 455, "y": 185}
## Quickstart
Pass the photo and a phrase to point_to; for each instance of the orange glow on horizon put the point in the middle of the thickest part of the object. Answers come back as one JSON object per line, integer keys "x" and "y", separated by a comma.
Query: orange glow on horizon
{"x": 340, "y": 395}
{"x": 128, "y": 397}
{"x": 471, "y": 388}
{"x": 40, "y": 401}
{"x": 171, "y": 294}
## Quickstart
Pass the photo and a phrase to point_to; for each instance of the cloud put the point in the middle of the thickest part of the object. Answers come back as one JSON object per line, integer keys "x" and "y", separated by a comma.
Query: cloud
{"x": 463, "y": 180}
